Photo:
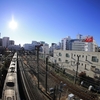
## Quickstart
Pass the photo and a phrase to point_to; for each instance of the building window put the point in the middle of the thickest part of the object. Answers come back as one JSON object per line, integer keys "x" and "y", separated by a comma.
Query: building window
{"x": 94, "y": 59}
{"x": 67, "y": 55}
{"x": 85, "y": 67}
{"x": 86, "y": 58}
{"x": 97, "y": 70}
{"x": 59, "y": 59}
{"x": 82, "y": 64}
{"x": 67, "y": 61}
{"x": 93, "y": 68}
{"x": 74, "y": 62}
{"x": 60, "y": 54}
{"x": 74, "y": 55}
{"x": 82, "y": 56}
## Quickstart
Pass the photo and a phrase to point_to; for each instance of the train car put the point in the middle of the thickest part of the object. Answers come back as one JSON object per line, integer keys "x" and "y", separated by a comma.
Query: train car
{"x": 10, "y": 89}
{"x": 13, "y": 67}
{"x": 9, "y": 95}
{"x": 13, "y": 64}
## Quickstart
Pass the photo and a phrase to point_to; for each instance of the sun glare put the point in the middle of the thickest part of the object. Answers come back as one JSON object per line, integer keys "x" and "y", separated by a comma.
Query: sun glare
{"x": 13, "y": 24}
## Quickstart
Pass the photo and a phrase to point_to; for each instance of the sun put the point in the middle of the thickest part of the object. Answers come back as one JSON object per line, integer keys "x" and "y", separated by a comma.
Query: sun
{"x": 13, "y": 24}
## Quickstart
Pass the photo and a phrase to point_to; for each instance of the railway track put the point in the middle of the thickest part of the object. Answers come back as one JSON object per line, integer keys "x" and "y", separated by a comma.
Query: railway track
{"x": 32, "y": 71}
{"x": 56, "y": 79}
{"x": 31, "y": 90}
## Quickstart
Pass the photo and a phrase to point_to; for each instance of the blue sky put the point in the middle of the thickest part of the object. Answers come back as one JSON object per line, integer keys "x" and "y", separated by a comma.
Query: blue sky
{"x": 50, "y": 20}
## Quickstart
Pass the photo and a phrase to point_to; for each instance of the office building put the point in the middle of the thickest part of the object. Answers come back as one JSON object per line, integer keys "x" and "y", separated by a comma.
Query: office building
{"x": 5, "y": 42}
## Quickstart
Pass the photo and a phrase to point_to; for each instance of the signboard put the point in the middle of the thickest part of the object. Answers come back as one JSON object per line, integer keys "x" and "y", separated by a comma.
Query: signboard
{"x": 88, "y": 39}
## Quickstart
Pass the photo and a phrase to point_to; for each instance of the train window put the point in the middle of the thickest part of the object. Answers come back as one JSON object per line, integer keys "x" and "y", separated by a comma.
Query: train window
{"x": 12, "y": 71}
{"x": 10, "y": 84}
{"x": 13, "y": 60}
{"x": 13, "y": 98}
{"x": 12, "y": 67}
{"x": 9, "y": 98}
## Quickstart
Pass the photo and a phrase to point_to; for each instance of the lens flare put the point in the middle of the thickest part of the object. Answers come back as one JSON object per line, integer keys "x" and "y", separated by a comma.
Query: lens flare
{"x": 13, "y": 24}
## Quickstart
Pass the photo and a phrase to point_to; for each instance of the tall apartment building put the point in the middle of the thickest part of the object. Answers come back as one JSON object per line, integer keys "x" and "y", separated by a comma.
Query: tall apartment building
{"x": 5, "y": 41}
{"x": 65, "y": 43}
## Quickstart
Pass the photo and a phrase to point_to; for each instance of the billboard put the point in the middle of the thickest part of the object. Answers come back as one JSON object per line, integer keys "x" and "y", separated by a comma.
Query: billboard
{"x": 88, "y": 39}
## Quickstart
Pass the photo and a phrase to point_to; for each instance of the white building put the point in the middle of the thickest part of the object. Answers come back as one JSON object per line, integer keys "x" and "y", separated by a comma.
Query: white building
{"x": 78, "y": 44}
{"x": 5, "y": 41}
{"x": 34, "y": 42}
{"x": 89, "y": 62}
{"x": 52, "y": 48}
{"x": 29, "y": 46}
{"x": 14, "y": 47}
{"x": 45, "y": 49}
{"x": 65, "y": 43}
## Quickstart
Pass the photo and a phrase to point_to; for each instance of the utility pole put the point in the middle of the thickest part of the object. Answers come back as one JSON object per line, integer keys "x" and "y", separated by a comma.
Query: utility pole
{"x": 44, "y": 56}
{"x": 46, "y": 71}
{"x": 77, "y": 67}
{"x": 54, "y": 96}
{"x": 37, "y": 47}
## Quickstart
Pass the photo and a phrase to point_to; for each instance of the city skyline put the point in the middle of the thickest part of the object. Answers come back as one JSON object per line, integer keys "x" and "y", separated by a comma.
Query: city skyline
{"x": 48, "y": 20}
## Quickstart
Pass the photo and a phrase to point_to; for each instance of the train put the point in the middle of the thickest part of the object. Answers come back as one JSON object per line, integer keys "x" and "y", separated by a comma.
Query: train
{"x": 10, "y": 88}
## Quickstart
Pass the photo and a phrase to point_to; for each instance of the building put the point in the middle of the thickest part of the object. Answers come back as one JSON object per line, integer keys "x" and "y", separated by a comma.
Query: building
{"x": 5, "y": 42}
{"x": 82, "y": 43}
{"x": 59, "y": 46}
{"x": 14, "y": 47}
{"x": 52, "y": 48}
{"x": 34, "y": 42}
{"x": 11, "y": 42}
{"x": 0, "y": 42}
{"x": 42, "y": 42}
{"x": 65, "y": 43}
{"x": 89, "y": 62}
{"x": 77, "y": 44}
{"x": 45, "y": 49}
{"x": 29, "y": 47}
